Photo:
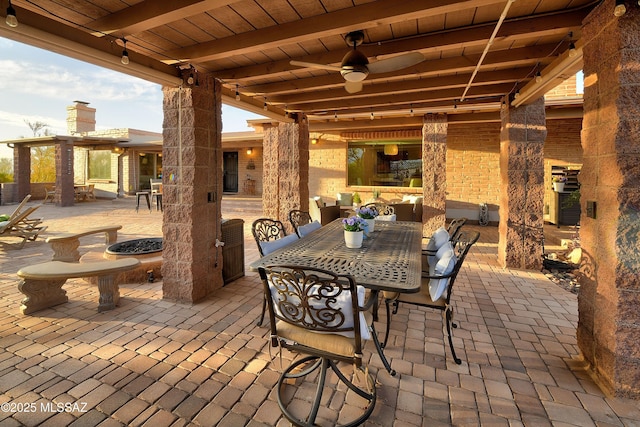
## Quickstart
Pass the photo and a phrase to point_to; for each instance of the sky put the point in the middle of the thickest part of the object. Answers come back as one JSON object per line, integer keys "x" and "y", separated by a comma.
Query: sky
{"x": 38, "y": 86}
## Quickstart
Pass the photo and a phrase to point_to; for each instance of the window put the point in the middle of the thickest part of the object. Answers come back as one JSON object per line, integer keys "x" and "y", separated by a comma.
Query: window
{"x": 100, "y": 164}
{"x": 388, "y": 164}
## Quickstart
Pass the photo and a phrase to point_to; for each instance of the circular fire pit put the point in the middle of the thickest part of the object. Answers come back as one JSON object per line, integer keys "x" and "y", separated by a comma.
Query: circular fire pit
{"x": 147, "y": 250}
{"x": 138, "y": 248}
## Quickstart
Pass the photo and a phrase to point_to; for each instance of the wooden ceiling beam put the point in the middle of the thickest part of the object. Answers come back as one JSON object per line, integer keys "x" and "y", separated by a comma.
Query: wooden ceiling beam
{"x": 419, "y": 107}
{"x": 387, "y": 101}
{"x": 435, "y": 83}
{"x": 541, "y": 26}
{"x": 373, "y": 14}
{"x": 150, "y": 14}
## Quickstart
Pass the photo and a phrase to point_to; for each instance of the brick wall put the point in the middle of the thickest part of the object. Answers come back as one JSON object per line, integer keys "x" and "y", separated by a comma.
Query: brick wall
{"x": 473, "y": 166}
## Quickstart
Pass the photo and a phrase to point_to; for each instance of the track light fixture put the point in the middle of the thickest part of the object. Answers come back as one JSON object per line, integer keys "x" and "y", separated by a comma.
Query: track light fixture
{"x": 237, "y": 92}
{"x": 572, "y": 50}
{"x": 11, "y": 19}
{"x": 190, "y": 79}
{"x": 265, "y": 107}
{"x": 125, "y": 54}
{"x": 620, "y": 8}
{"x": 538, "y": 77}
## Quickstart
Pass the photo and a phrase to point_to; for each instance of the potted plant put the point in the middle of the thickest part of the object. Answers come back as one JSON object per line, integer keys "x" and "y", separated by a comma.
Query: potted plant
{"x": 353, "y": 231}
{"x": 356, "y": 199}
{"x": 369, "y": 215}
{"x": 558, "y": 183}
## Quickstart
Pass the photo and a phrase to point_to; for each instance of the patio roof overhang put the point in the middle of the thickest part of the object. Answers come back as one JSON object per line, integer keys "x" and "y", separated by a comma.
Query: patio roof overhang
{"x": 477, "y": 52}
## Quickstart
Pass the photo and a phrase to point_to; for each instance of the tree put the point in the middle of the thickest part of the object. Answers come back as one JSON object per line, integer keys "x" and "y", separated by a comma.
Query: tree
{"x": 6, "y": 170}
{"x": 38, "y": 128}
{"x": 43, "y": 163}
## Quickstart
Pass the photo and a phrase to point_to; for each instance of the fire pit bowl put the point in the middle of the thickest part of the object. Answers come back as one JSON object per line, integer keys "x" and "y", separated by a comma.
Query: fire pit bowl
{"x": 138, "y": 248}
{"x": 147, "y": 250}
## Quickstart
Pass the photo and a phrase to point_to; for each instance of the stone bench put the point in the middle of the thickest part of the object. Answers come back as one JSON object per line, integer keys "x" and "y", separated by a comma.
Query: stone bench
{"x": 65, "y": 245}
{"x": 42, "y": 283}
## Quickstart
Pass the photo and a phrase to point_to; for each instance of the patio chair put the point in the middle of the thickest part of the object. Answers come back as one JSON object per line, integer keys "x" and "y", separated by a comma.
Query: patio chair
{"x": 22, "y": 226}
{"x": 91, "y": 195}
{"x": 437, "y": 286}
{"x": 49, "y": 193}
{"x": 320, "y": 315}
{"x": 269, "y": 235}
{"x": 323, "y": 214}
{"x": 302, "y": 222}
{"x": 385, "y": 212}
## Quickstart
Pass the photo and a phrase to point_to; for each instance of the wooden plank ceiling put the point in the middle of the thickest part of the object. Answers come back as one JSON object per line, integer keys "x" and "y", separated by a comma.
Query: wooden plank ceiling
{"x": 249, "y": 45}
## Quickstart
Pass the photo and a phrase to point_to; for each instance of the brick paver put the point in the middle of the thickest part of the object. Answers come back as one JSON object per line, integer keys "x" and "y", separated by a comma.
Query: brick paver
{"x": 152, "y": 362}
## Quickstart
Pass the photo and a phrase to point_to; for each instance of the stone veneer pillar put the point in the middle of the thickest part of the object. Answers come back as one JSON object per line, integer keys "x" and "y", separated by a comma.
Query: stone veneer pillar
{"x": 434, "y": 172}
{"x": 192, "y": 190}
{"x": 285, "y": 169}
{"x": 65, "y": 193}
{"x": 521, "y": 228}
{"x": 22, "y": 170}
{"x": 609, "y": 299}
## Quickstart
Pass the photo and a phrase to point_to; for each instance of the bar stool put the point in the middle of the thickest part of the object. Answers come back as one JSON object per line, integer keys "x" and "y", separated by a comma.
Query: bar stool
{"x": 146, "y": 196}
{"x": 158, "y": 197}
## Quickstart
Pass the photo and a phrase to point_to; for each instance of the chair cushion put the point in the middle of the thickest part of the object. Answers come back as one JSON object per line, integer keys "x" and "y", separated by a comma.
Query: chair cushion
{"x": 272, "y": 245}
{"x": 446, "y": 262}
{"x": 386, "y": 217}
{"x": 308, "y": 228}
{"x": 332, "y": 343}
{"x": 341, "y": 301}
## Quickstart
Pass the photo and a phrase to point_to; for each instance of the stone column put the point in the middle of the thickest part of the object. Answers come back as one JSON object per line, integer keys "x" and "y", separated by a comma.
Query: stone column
{"x": 285, "y": 169}
{"x": 434, "y": 172}
{"x": 22, "y": 170}
{"x": 521, "y": 228}
{"x": 192, "y": 190}
{"x": 65, "y": 193}
{"x": 609, "y": 300}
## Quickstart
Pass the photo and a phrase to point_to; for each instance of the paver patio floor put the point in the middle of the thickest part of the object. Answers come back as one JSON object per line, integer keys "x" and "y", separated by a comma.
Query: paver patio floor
{"x": 153, "y": 362}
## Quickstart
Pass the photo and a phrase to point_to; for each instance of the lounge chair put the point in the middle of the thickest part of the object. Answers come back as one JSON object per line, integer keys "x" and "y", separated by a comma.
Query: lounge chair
{"x": 18, "y": 209}
{"x": 22, "y": 226}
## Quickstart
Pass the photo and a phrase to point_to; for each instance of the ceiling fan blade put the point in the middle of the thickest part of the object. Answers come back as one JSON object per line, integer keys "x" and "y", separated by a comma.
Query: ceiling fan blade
{"x": 395, "y": 63}
{"x": 317, "y": 66}
{"x": 352, "y": 87}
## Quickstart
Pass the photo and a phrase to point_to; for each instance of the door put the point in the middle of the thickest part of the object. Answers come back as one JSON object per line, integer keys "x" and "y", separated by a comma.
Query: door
{"x": 230, "y": 172}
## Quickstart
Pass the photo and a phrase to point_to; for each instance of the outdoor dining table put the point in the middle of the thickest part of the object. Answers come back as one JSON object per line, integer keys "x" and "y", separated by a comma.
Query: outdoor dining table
{"x": 389, "y": 259}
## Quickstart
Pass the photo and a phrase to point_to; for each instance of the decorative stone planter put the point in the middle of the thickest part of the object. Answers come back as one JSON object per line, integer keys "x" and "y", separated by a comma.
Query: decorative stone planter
{"x": 353, "y": 239}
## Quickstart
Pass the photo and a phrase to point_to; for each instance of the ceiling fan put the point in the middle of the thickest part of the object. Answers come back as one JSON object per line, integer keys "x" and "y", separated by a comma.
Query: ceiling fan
{"x": 356, "y": 67}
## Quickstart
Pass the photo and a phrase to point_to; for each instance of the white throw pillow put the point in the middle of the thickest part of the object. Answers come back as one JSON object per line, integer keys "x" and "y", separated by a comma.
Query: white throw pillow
{"x": 342, "y": 301}
{"x": 386, "y": 217}
{"x": 308, "y": 228}
{"x": 445, "y": 264}
{"x": 270, "y": 246}
{"x": 438, "y": 238}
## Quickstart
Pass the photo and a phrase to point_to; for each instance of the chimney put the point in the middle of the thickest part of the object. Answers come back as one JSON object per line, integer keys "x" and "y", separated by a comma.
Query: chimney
{"x": 81, "y": 118}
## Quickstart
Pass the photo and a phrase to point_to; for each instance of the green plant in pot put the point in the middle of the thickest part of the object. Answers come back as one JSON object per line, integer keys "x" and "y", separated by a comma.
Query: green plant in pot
{"x": 356, "y": 198}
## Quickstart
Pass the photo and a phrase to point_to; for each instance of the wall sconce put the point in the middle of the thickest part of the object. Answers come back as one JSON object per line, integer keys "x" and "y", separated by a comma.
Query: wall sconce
{"x": 249, "y": 151}
{"x": 314, "y": 141}
{"x": 391, "y": 150}
{"x": 620, "y": 8}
